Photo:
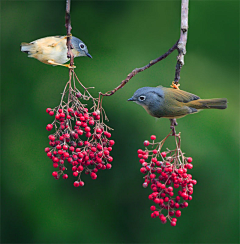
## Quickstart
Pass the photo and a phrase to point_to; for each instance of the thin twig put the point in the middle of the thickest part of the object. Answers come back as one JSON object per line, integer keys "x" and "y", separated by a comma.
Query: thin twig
{"x": 138, "y": 70}
{"x": 181, "y": 47}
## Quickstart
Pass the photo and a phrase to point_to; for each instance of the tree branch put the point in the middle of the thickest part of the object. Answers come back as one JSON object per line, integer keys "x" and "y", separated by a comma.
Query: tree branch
{"x": 183, "y": 40}
{"x": 138, "y": 70}
{"x": 69, "y": 28}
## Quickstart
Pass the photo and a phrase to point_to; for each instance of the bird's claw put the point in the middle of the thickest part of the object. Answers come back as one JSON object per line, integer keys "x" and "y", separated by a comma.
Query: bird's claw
{"x": 175, "y": 86}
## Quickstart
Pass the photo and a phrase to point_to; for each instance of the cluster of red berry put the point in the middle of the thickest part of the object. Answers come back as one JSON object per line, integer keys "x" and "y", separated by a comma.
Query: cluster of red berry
{"x": 166, "y": 176}
{"x": 79, "y": 139}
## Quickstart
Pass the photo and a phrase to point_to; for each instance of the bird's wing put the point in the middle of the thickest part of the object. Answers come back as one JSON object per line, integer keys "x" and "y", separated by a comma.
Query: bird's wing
{"x": 178, "y": 112}
{"x": 182, "y": 96}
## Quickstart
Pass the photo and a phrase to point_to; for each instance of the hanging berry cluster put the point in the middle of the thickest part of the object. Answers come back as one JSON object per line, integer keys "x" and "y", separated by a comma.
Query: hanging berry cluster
{"x": 166, "y": 172}
{"x": 80, "y": 139}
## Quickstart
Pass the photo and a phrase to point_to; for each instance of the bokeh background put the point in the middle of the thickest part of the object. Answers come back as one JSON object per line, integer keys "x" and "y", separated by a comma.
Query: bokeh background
{"x": 121, "y": 35}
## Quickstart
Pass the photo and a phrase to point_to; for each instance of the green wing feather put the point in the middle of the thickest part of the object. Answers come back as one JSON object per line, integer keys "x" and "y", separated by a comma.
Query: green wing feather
{"x": 180, "y": 95}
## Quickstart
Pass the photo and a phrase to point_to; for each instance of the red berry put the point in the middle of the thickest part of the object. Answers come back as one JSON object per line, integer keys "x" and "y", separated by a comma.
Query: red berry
{"x": 152, "y": 208}
{"x": 173, "y": 223}
{"x": 81, "y": 183}
{"x": 163, "y": 154}
{"x": 155, "y": 151}
{"x": 166, "y": 199}
{"x": 88, "y": 134}
{"x": 146, "y": 143}
{"x": 163, "y": 186}
{"x": 156, "y": 213}
{"x": 54, "y": 174}
{"x": 49, "y": 127}
{"x": 189, "y": 160}
{"x": 48, "y": 110}
{"x": 145, "y": 184}
{"x": 55, "y": 165}
{"x": 93, "y": 176}
{"x": 157, "y": 200}
{"x": 75, "y": 174}
{"x": 109, "y": 166}
{"x": 178, "y": 213}
{"x": 65, "y": 176}
{"x": 76, "y": 184}
{"x": 51, "y": 113}
{"x": 152, "y": 176}
{"x": 110, "y": 159}
{"x": 180, "y": 171}
{"x": 111, "y": 142}
{"x": 189, "y": 166}
{"x": 91, "y": 122}
{"x": 51, "y": 138}
{"x": 153, "y": 137}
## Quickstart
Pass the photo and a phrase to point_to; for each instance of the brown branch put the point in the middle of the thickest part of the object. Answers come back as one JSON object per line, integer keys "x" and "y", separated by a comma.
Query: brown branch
{"x": 182, "y": 41}
{"x": 138, "y": 70}
{"x": 69, "y": 28}
{"x": 180, "y": 45}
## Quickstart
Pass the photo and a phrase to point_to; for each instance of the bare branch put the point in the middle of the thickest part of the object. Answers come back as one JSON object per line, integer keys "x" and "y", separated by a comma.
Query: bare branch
{"x": 138, "y": 70}
{"x": 183, "y": 40}
{"x": 69, "y": 28}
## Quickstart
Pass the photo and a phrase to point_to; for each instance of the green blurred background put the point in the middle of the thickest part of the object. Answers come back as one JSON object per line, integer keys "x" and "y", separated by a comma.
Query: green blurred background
{"x": 121, "y": 36}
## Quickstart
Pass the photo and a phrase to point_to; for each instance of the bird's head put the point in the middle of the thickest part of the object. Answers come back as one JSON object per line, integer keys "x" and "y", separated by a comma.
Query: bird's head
{"x": 80, "y": 47}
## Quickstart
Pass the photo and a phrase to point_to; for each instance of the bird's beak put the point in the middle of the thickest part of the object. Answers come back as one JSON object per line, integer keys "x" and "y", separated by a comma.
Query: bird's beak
{"x": 88, "y": 55}
{"x": 131, "y": 99}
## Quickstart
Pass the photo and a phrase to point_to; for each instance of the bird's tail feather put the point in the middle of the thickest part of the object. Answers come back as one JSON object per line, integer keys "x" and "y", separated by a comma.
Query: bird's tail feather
{"x": 217, "y": 103}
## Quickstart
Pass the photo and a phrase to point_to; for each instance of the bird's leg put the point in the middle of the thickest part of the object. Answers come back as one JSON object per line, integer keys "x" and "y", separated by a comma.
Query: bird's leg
{"x": 173, "y": 123}
{"x": 55, "y": 44}
{"x": 65, "y": 65}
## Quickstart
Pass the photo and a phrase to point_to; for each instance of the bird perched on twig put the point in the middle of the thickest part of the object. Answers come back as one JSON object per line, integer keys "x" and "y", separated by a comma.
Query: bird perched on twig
{"x": 53, "y": 50}
{"x": 173, "y": 103}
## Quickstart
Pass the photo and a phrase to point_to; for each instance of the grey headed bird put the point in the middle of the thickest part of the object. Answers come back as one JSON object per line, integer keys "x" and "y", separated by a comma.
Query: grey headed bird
{"x": 53, "y": 49}
{"x": 173, "y": 103}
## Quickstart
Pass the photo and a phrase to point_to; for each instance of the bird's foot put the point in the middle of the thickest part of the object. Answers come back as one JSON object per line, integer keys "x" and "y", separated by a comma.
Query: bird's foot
{"x": 173, "y": 123}
{"x": 175, "y": 86}
{"x": 65, "y": 65}
{"x": 69, "y": 66}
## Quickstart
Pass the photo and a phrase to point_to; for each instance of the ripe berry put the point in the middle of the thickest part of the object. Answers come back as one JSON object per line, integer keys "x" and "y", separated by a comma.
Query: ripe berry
{"x": 189, "y": 160}
{"x": 146, "y": 143}
{"x": 173, "y": 223}
{"x": 54, "y": 174}
{"x": 163, "y": 154}
{"x": 76, "y": 184}
{"x": 49, "y": 127}
{"x": 81, "y": 183}
{"x": 153, "y": 137}
{"x": 65, "y": 176}
{"x": 145, "y": 185}
{"x": 152, "y": 208}
{"x": 109, "y": 166}
{"x": 178, "y": 213}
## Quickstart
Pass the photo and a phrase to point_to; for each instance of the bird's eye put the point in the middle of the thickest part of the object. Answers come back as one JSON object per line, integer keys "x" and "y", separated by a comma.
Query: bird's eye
{"x": 142, "y": 98}
{"x": 82, "y": 46}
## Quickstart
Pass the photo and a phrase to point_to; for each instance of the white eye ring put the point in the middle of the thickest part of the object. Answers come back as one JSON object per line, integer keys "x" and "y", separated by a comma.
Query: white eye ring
{"x": 142, "y": 98}
{"x": 81, "y": 45}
